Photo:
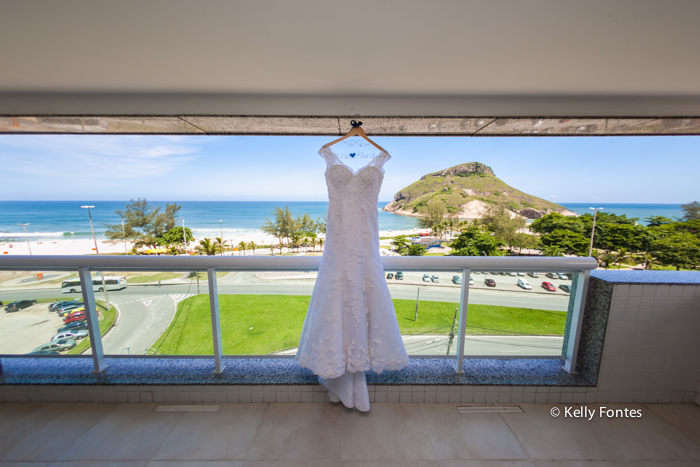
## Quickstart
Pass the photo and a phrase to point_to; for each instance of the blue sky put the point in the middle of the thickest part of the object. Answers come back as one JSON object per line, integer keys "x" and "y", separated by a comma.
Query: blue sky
{"x": 179, "y": 168}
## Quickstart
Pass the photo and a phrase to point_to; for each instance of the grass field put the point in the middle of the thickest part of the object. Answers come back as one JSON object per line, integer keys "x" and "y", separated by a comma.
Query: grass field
{"x": 261, "y": 324}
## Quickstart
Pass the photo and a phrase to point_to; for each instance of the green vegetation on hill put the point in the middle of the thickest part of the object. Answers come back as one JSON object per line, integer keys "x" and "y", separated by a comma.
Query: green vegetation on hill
{"x": 463, "y": 183}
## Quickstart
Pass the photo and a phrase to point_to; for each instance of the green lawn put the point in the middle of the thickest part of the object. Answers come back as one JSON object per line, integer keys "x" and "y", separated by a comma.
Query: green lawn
{"x": 261, "y": 324}
{"x": 152, "y": 277}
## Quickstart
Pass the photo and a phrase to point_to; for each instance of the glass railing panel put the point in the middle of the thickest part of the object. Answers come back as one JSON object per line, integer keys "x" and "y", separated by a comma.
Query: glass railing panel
{"x": 263, "y": 312}
{"x": 159, "y": 313}
{"x": 426, "y": 304}
{"x": 41, "y": 316}
{"x": 517, "y": 314}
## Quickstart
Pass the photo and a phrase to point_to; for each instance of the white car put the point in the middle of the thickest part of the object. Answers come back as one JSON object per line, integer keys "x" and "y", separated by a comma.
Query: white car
{"x": 521, "y": 273}
{"x": 523, "y": 283}
{"x": 512, "y": 274}
{"x": 70, "y": 335}
{"x": 471, "y": 281}
{"x": 563, "y": 276}
{"x": 426, "y": 277}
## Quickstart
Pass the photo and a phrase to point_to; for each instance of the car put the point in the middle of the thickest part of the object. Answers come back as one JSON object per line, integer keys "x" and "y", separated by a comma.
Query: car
{"x": 49, "y": 347}
{"x": 435, "y": 278}
{"x": 77, "y": 317}
{"x": 553, "y": 275}
{"x": 548, "y": 286}
{"x": 565, "y": 288}
{"x": 524, "y": 284}
{"x": 390, "y": 275}
{"x": 75, "y": 326}
{"x": 19, "y": 305}
{"x": 398, "y": 276}
{"x": 563, "y": 276}
{"x": 70, "y": 335}
{"x": 521, "y": 273}
{"x": 44, "y": 352}
{"x": 426, "y": 277}
{"x": 62, "y": 303}
{"x": 74, "y": 312}
{"x": 490, "y": 283}
{"x": 533, "y": 274}
{"x": 68, "y": 308}
{"x": 512, "y": 274}
{"x": 471, "y": 281}
{"x": 456, "y": 280}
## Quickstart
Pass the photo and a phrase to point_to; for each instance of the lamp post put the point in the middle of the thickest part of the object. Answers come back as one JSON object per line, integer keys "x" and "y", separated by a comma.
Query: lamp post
{"x": 126, "y": 251}
{"x": 184, "y": 237}
{"x": 94, "y": 239}
{"x": 595, "y": 212}
{"x": 27, "y": 236}
{"x": 222, "y": 237}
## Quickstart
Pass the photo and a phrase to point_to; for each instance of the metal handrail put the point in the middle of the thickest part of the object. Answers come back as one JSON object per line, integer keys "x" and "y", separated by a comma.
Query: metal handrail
{"x": 290, "y": 263}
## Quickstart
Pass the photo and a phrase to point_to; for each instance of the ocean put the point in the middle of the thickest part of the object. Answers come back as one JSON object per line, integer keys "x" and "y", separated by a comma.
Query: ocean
{"x": 65, "y": 220}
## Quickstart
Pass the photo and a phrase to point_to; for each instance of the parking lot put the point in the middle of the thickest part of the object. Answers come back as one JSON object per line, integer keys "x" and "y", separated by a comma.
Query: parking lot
{"x": 26, "y": 329}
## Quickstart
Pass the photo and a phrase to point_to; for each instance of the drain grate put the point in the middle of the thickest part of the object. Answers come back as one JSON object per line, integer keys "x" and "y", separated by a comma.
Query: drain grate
{"x": 188, "y": 408}
{"x": 467, "y": 409}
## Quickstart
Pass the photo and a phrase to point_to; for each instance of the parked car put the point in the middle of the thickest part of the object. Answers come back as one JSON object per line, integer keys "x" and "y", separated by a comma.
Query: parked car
{"x": 490, "y": 283}
{"x": 398, "y": 276}
{"x": 19, "y": 305}
{"x": 471, "y": 280}
{"x": 524, "y": 284}
{"x": 435, "y": 278}
{"x": 548, "y": 286}
{"x": 75, "y": 326}
{"x": 553, "y": 275}
{"x": 512, "y": 274}
{"x": 49, "y": 347}
{"x": 65, "y": 344}
{"x": 533, "y": 274}
{"x": 565, "y": 288}
{"x": 61, "y": 303}
{"x": 563, "y": 276}
{"x": 521, "y": 273}
{"x": 390, "y": 275}
{"x": 456, "y": 280}
{"x": 426, "y": 277}
{"x": 44, "y": 352}
{"x": 75, "y": 311}
{"x": 62, "y": 311}
{"x": 76, "y": 317}
{"x": 70, "y": 335}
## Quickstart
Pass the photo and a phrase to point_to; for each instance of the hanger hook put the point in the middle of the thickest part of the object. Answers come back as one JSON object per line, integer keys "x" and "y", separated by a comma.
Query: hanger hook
{"x": 355, "y": 124}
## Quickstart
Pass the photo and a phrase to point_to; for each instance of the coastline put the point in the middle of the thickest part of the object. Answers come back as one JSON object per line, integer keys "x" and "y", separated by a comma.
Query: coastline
{"x": 87, "y": 246}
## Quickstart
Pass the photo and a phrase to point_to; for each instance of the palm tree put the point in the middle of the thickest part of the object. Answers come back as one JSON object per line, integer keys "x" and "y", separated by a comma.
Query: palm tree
{"x": 649, "y": 260}
{"x": 622, "y": 255}
{"x": 242, "y": 247}
{"x": 320, "y": 243}
{"x": 607, "y": 258}
{"x": 313, "y": 240}
{"x": 252, "y": 246}
{"x": 220, "y": 244}
{"x": 207, "y": 247}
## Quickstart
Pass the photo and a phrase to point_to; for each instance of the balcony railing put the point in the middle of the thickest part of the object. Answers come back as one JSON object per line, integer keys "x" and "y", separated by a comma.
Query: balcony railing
{"x": 578, "y": 268}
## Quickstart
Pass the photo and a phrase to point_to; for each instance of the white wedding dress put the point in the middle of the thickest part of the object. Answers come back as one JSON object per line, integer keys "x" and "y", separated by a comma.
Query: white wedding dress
{"x": 351, "y": 326}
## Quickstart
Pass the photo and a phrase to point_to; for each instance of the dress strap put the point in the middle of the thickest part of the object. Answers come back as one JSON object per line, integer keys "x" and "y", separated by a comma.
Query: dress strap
{"x": 380, "y": 159}
{"x": 327, "y": 153}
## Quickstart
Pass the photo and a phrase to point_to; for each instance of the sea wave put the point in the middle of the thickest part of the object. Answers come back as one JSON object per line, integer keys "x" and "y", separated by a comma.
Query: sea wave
{"x": 43, "y": 234}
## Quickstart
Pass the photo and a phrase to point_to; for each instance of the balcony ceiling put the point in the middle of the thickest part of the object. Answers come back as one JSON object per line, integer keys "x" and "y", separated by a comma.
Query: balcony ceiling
{"x": 320, "y": 57}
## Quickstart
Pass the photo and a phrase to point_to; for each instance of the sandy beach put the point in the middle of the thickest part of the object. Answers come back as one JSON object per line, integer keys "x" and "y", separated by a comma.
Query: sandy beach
{"x": 87, "y": 246}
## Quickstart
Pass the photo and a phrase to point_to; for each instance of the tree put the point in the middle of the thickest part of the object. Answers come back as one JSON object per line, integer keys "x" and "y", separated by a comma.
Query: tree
{"x": 555, "y": 221}
{"x": 612, "y": 237}
{"x": 220, "y": 244}
{"x": 553, "y": 250}
{"x": 174, "y": 237}
{"x": 568, "y": 242}
{"x": 691, "y": 211}
{"x": 143, "y": 223}
{"x": 243, "y": 246}
{"x": 523, "y": 240}
{"x": 252, "y": 246}
{"x": 282, "y": 226}
{"x": 474, "y": 242}
{"x": 680, "y": 249}
{"x": 416, "y": 250}
{"x": 503, "y": 224}
{"x": 656, "y": 221}
{"x": 622, "y": 255}
{"x": 400, "y": 244}
{"x": 320, "y": 243}
{"x": 433, "y": 213}
{"x": 207, "y": 247}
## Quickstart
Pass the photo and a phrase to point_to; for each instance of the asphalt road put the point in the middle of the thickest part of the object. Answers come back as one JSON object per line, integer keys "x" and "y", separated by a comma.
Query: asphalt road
{"x": 146, "y": 311}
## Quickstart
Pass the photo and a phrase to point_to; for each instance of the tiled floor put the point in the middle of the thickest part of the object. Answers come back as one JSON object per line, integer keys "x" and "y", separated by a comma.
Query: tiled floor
{"x": 276, "y": 434}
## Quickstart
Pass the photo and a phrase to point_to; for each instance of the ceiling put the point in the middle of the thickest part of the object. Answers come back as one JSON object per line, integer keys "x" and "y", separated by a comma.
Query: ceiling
{"x": 379, "y": 57}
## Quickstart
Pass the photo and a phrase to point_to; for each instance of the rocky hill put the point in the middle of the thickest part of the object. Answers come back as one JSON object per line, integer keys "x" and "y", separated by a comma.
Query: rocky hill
{"x": 469, "y": 190}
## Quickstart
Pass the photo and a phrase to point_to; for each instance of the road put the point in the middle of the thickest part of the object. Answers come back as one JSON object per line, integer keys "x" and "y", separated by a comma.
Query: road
{"x": 146, "y": 311}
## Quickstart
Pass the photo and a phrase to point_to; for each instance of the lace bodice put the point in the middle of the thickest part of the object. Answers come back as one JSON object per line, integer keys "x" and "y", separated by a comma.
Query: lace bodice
{"x": 351, "y": 323}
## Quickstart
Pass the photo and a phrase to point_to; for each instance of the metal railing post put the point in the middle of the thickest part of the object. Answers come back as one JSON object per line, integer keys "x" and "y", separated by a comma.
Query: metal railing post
{"x": 575, "y": 330}
{"x": 215, "y": 322}
{"x": 93, "y": 321}
{"x": 463, "y": 303}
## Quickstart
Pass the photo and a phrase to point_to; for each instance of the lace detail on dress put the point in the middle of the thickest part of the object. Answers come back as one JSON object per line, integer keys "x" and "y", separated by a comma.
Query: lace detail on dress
{"x": 351, "y": 323}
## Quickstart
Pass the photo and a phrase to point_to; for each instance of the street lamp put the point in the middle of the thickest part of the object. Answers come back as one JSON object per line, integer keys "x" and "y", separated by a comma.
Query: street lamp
{"x": 91, "y": 227}
{"x": 184, "y": 237}
{"x": 27, "y": 236}
{"x": 222, "y": 237}
{"x": 126, "y": 251}
{"x": 94, "y": 239}
{"x": 595, "y": 212}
